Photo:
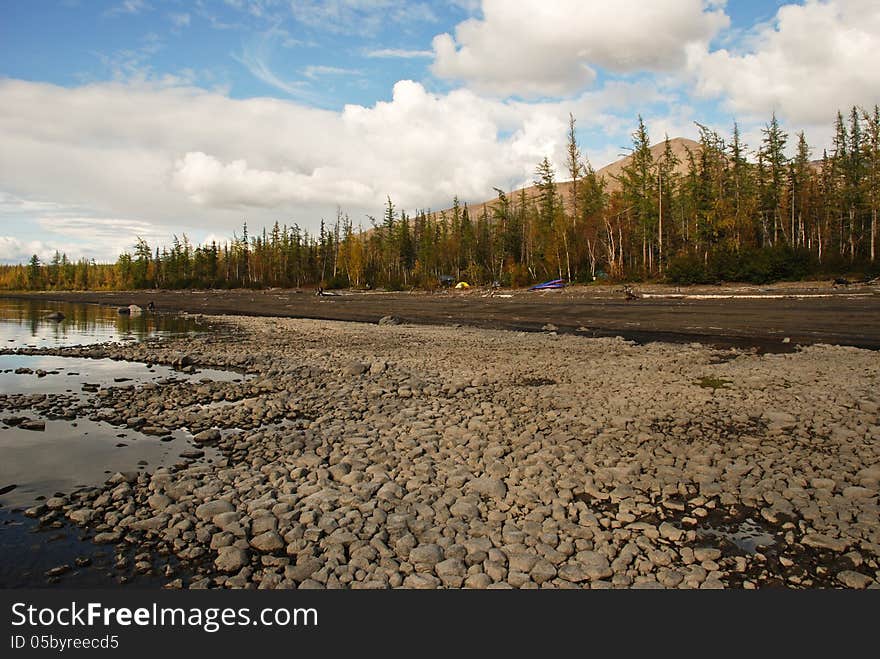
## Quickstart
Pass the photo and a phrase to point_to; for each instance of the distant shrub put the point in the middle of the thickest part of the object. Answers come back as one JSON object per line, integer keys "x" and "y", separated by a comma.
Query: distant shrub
{"x": 757, "y": 266}
{"x": 337, "y": 282}
{"x": 518, "y": 276}
{"x": 395, "y": 285}
{"x": 686, "y": 269}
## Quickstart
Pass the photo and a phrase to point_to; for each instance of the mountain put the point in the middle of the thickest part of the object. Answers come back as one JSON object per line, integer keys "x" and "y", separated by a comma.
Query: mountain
{"x": 680, "y": 147}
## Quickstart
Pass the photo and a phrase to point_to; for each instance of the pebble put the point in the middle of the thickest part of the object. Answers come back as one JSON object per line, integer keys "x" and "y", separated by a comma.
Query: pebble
{"x": 362, "y": 456}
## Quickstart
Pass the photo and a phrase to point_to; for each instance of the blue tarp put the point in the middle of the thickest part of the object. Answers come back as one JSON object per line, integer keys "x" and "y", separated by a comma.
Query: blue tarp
{"x": 553, "y": 283}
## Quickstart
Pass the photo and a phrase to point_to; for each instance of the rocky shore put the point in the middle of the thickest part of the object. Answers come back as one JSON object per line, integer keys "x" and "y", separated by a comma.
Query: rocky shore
{"x": 377, "y": 456}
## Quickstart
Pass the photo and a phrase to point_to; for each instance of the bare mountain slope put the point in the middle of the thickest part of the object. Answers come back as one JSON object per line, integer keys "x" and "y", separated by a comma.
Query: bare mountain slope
{"x": 680, "y": 146}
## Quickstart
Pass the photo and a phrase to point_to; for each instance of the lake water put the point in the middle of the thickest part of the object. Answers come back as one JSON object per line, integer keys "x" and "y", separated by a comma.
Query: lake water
{"x": 26, "y": 323}
{"x": 70, "y": 454}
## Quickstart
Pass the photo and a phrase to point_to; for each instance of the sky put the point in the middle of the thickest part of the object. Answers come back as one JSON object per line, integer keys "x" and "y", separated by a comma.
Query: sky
{"x": 122, "y": 119}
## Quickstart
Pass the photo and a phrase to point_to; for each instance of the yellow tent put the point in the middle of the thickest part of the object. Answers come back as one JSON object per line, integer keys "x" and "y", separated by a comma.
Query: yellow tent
{"x": 462, "y": 284}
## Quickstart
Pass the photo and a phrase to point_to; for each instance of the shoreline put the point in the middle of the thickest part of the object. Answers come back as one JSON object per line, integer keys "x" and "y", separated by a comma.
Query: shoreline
{"x": 767, "y": 318}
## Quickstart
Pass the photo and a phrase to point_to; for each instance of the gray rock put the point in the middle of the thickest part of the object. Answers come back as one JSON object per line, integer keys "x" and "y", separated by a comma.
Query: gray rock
{"x": 425, "y": 557}
{"x": 421, "y": 581}
{"x": 268, "y": 542}
{"x": 107, "y": 538}
{"x": 595, "y": 564}
{"x": 820, "y": 541}
{"x": 465, "y": 509}
{"x": 543, "y": 570}
{"x": 573, "y": 572}
{"x": 151, "y": 523}
{"x": 207, "y": 436}
{"x": 339, "y": 471}
{"x": 853, "y": 579}
{"x": 390, "y": 491}
{"x": 488, "y": 487}
{"x": 32, "y": 424}
{"x": 670, "y": 578}
{"x": 780, "y": 419}
{"x": 208, "y": 510}
{"x": 231, "y": 559}
{"x": 222, "y": 539}
{"x": 263, "y": 524}
{"x": 390, "y": 320}
{"x": 36, "y": 511}
{"x": 670, "y": 532}
{"x": 302, "y": 570}
{"x": 311, "y": 584}
{"x": 159, "y": 502}
{"x": 521, "y": 562}
{"x": 224, "y": 520}
{"x": 706, "y": 554}
{"x": 355, "y": 368}
{"x": 479, "y": 581}
{"x": 856, "y": 492}
{"x": 450, "y": 567}
{"x": 81, "y": 516}
{"x": 58, "y": 571}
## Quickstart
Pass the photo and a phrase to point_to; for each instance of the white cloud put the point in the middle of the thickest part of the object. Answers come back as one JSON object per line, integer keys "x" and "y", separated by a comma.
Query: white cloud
{"x": 361, "y": 17}
{"x": 16, "y": 250}
{"x": 129, "y": 7}
{"x": 315, "y": 71}
{"x": 256, "y": 61}
{"x": 257, "y": 55}
{"x": 173, "y": 157}
{"x": 254, "y": 7}
{"x": 99, "y": 229}
{"x": 400, "y": 53}
{"x": 179, "y": 20}
{"x": 469, "y": 6}
{"x": 807, "y": 63}
{"x": 537, "y": 48}
{"x": 44, "y": 227}
{"x": 133, "y": 62}
{"x": 208, "y": 181}
{"x": 101, "y": 238}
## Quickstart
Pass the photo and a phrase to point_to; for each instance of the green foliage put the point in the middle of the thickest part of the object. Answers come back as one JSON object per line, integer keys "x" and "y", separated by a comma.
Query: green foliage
{"x": 711, "y": 382}
{"x": 757, "y": 266}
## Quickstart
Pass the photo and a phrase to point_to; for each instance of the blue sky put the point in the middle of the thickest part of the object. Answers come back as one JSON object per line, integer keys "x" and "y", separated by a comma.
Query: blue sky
{"x": 158, "y": 117}
{"x": 337, "y": 56}
{"x": 350, "y": 53}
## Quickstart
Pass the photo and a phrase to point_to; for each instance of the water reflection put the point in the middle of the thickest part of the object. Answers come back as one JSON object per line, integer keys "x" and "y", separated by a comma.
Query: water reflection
{"x": 27, "y": 323}
{"x": 69, "y": 455}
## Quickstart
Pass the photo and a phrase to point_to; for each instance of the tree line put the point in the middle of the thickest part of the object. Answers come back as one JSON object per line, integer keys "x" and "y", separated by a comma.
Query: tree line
{"x": 725, "y": 213}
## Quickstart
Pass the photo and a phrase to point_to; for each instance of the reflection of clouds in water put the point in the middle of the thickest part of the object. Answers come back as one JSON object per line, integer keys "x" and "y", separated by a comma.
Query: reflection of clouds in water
{"x": 24, "y": 323}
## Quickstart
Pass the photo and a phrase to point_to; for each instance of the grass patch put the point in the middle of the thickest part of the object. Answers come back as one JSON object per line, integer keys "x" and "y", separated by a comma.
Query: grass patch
{"x": 709, "y": 382}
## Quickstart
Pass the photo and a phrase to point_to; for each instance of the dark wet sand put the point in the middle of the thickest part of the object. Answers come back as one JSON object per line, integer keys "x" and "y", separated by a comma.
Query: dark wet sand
{"x": 805, "y": 313}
